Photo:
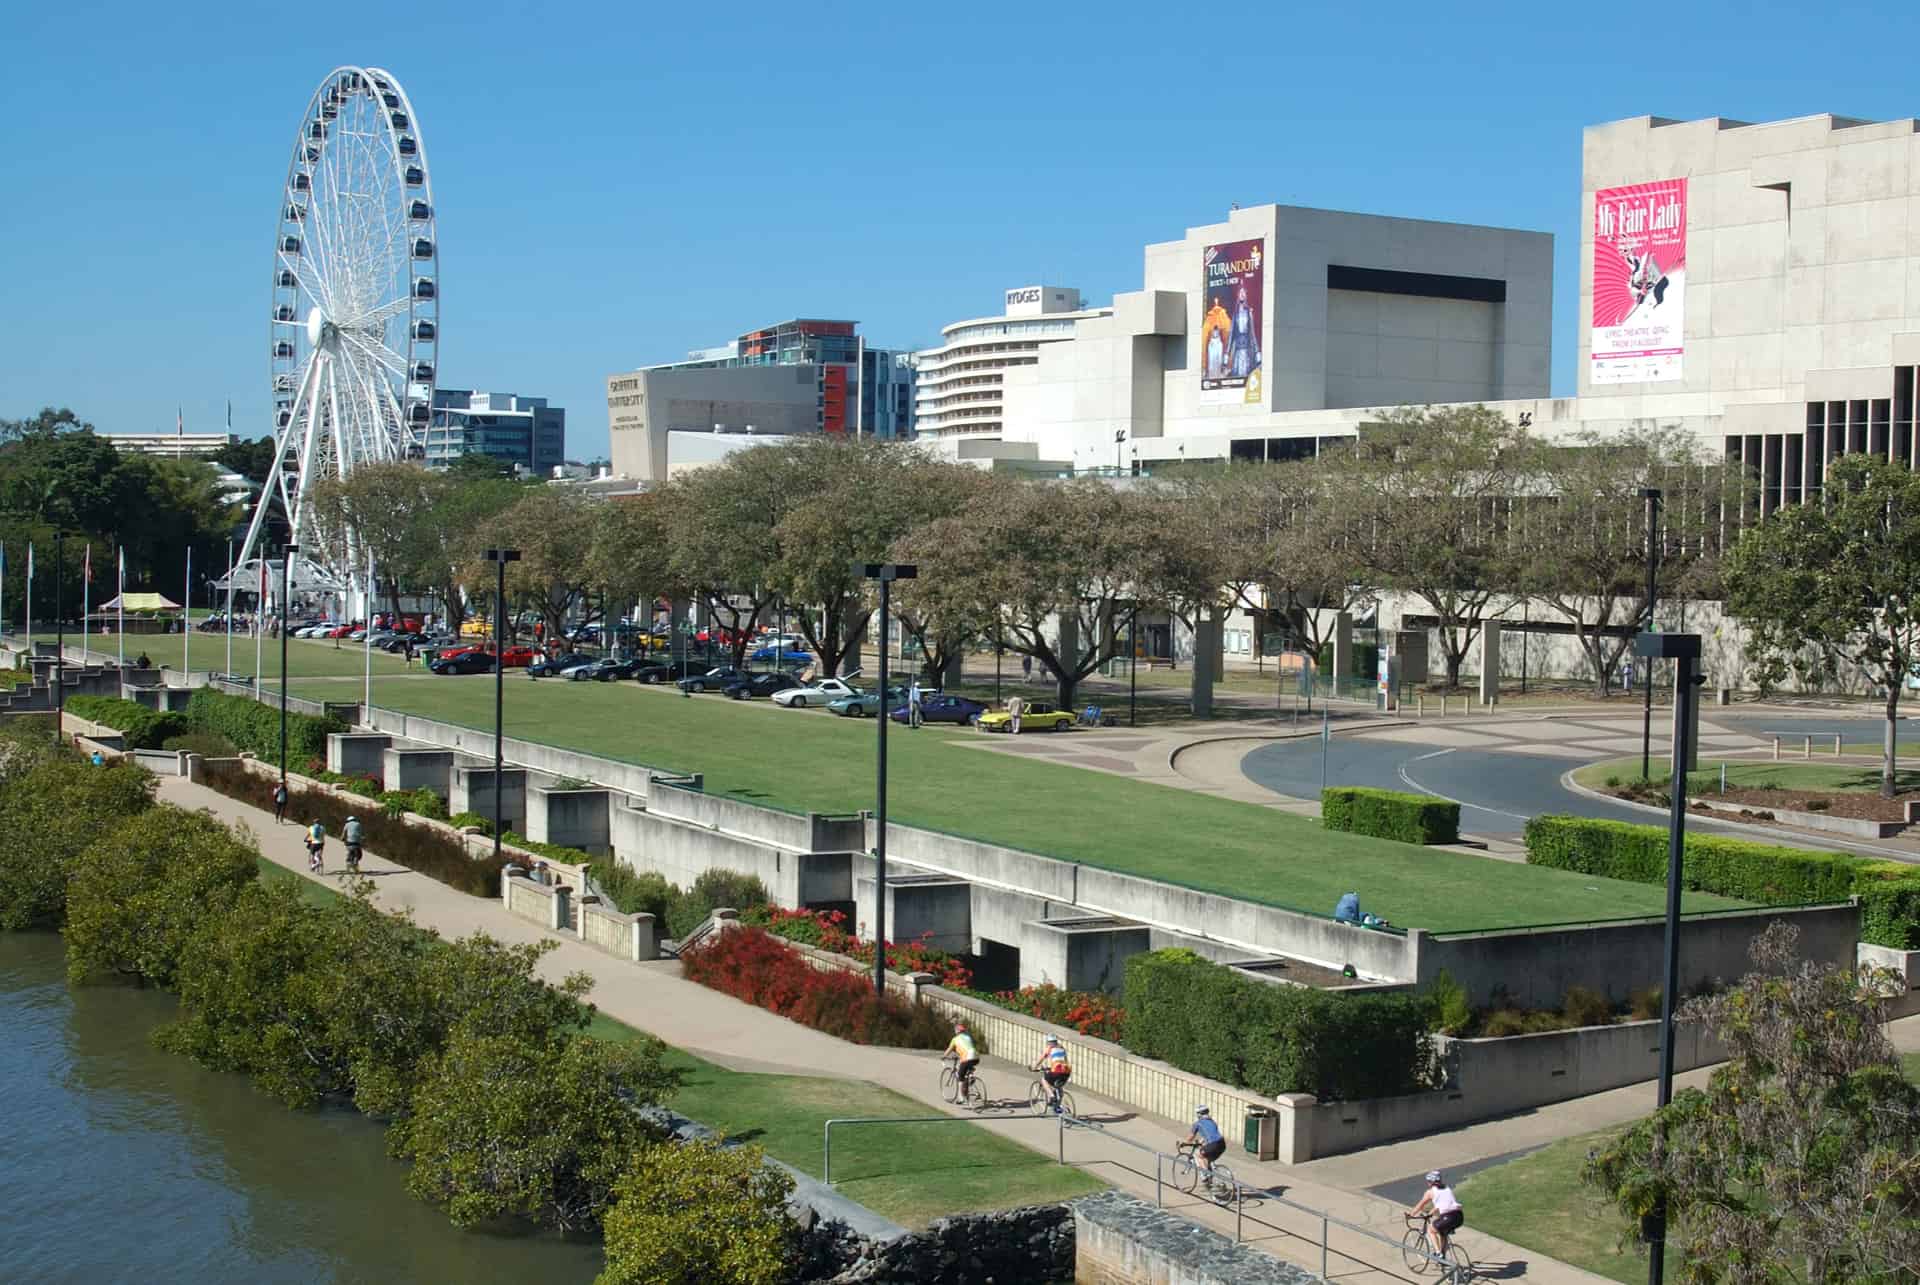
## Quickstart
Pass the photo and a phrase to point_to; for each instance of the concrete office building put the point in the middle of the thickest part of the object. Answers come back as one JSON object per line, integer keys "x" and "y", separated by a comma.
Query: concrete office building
{"x": 794, "y": 378}
{"x": 522, "y": 431}
{"x": 958, "y": 401}
{"x": 177, "y": 445}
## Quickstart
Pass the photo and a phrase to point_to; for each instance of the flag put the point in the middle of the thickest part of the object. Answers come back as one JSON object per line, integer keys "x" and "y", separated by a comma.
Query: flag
{"x": 86, "y": 564}
{"x": 179, "y": 421}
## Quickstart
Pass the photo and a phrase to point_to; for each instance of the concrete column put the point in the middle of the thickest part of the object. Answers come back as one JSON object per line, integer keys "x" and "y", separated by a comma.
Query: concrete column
{"x": 1342, "y": 647}
{"x": 1490, "y": 662}
{"x": 1206, "y": 660}
{"x": 560, "y": 903}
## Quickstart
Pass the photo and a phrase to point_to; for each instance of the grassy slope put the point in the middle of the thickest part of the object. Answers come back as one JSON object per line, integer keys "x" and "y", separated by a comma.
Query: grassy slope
{"x": 809, "y": 759}
{"x": 1785, "y": 775}
{"x": 912, "y": 1173}
{"x": 1539, "y": 1202}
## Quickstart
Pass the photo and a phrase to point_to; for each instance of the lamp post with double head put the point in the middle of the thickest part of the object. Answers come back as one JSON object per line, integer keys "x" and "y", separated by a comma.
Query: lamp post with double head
{"x": 500, "y": 558}
{"x": 886, "y": 573}
{"x": 1684, "y": 651}
{"x": 287, "y": 554}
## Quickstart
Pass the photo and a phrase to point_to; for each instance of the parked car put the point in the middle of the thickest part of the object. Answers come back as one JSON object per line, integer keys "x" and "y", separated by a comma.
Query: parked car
{"x": 865, "y": 704}
{"x": 651, "y": 672}
{"x": 552, "y": 665}
{"x": 518, "y": 657}
{"x": 938, "y": 707}
{"x": 466, "y": 662}
{"x": 1035, "y": 716}
{"x": 748, "y": 687}
{"x": 780, "y": 655}
{"x": 608, "y": 670}
{"x": 713, "y": 680}
{"x": 821, "y": 692}
{"x": 476, "y": 628}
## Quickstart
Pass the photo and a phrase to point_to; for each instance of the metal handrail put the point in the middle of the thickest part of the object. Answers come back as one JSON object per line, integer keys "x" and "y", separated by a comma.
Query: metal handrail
{"x": 1064, "y": 1122}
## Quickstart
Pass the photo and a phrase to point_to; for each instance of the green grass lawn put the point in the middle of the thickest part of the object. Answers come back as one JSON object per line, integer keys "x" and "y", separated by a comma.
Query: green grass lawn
{"x": 1911, "y": 1063}
{"x": 1539, "y": 1202}
{"x": 1762, "y": 774}
{"x": 938, "y": 778}
{"x": 911, "y": 1173}
{"x": 305, "y": 657}
{"x": 315, "y": 893}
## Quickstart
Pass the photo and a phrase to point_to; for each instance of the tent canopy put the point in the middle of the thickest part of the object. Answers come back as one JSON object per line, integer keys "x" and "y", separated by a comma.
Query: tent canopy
{"x": 140, "y": 602}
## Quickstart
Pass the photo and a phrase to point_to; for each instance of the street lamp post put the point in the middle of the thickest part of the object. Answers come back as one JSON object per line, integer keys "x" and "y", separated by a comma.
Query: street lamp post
{"x": 1651, "y": 494}
{"x": 1133, "y": 665}
{"x": 286, "y": 591}
{"x": 1119, "y": 437}
{"x": 60, "y": 639}
{"x": 886, "y": 573}
{"x": 500, "y": 558}
{"x": 1684, "y": 651}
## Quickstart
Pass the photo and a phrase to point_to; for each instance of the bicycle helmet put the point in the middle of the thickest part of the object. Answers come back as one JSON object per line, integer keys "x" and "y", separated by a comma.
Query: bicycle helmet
{"x": 1053, "y": 1039}
{"x": 1433, "y": 1175}
{"x": 351, "y": 817}
{"x": 1203, "y": 1111}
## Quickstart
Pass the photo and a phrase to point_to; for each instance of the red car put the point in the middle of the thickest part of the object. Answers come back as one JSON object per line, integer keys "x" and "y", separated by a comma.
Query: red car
{"x": 341, "y": 631}
{"x": 515, "y": 657}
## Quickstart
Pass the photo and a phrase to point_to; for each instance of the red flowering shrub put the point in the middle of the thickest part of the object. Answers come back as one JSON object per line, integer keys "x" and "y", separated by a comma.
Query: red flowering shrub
{"x": 757, "y": 967}
{"x": 1088, "y": 1012}
{"x": 828, "y": 931}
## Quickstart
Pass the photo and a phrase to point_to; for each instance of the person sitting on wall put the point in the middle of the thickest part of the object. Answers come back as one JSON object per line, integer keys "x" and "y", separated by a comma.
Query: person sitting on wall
{"x": 1347, "y": 909}
{"x": 143, "y": 662}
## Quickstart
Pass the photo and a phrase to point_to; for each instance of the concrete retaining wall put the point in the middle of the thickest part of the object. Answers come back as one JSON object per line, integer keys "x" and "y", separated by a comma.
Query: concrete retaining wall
{"x": 407, "y": 768}
{"x": 550, "y": 907}
{"x": 634, "y": 937}
{"x": 1536, "y": 967}
{"x": 473, "y": 792}
{"x": 570, "y": 818}
{"x": 630, "y": 778}
{"x": 1121, "y": 1240}
{"x": 358, "y": 753}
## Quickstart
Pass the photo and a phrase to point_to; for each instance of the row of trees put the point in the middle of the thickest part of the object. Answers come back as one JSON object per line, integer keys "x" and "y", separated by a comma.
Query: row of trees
{"x": 1456, "y": 507}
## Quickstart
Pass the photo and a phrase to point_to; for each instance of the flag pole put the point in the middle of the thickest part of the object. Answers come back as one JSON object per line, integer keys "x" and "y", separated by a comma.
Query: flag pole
{"x": 259, "y": 624}
{"x": 29, "y": 598}
{"x": 86, "y": 598}
{"x": 366, "y": 706}
{"x": 229, "y": 670}
{"x": 120, "y": 625}
{"x": 186, "y": 622}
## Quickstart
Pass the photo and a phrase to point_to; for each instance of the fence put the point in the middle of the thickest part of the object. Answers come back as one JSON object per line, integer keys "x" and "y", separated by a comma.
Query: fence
{"x": 1165, "y": 1165}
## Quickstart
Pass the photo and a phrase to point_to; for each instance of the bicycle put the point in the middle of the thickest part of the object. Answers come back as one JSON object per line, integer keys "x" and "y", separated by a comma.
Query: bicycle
{"x": 1042, "y": 1099}
{"x": 973, "y": 1096}
{"x": 1188, "y": 1176}
{"x": 1417, "y": 1249}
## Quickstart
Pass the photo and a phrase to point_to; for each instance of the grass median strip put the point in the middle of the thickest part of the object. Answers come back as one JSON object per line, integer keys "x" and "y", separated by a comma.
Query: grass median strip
{"x": 911, "y": 1173}
{"x": 939, "y": 778}
{"x": 1756, "y": 774}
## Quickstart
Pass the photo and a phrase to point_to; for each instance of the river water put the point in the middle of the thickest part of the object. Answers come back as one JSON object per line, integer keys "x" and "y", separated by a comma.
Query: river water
{"x": 122, "y": 1163}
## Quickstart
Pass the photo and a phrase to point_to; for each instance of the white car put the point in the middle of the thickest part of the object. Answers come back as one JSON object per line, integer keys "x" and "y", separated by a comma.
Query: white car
{"x": 820, "y": 693}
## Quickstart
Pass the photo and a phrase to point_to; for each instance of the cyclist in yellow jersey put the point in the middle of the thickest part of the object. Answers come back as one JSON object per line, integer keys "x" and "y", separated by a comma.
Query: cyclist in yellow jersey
{"x": 960, "y": 1047}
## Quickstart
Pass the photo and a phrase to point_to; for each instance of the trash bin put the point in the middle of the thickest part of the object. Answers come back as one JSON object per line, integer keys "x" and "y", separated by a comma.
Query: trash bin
{"x": 1262, "y": 1139}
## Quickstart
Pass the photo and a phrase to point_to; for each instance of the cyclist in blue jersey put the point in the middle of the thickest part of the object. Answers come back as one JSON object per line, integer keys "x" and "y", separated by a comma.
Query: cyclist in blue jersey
{"x": 1212, "y": 1143}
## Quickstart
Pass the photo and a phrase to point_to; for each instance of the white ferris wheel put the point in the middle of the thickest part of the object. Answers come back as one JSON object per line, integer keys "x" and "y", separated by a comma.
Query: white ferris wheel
{"x": 355, "y": 322}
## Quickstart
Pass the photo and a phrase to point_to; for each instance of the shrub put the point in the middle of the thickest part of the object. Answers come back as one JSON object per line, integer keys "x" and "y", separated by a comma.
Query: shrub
{"x": 207, "y": 744}
{"x": 1452, "y": 1010}
{"x": 1644, "y": 1004}
{"x": 53, "y": 805}
{"x": 828, "y": 931}
{"x": 1409, "y": 818}
{"x": 1212, "y": 1021}
{"x": 1087, "y": 1012}
{"x": 713, "y": 889}
{"x": 752, "y": 965}
{"x": 571, "y": 783}
{"x": 141, "y": 728}
{"x": 634, "y": 892}
{"x": 1757, "y": 872}
{"x": 1585, "y": 1007}
{"x": 551, "y": 851}
{"x": 431, "y": 852}
{"x": 421, "y": 802}
{"x": 142, "y": 889}
{"x": 471, "y": 821}
{"x": 699, "y": 1211}
{"x": 254, "y": 726}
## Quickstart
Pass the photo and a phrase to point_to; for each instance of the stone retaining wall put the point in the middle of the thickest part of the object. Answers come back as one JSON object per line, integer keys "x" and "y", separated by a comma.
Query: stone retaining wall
{"x": 634, "y": 937}
{"x": 1119, "y": 1240}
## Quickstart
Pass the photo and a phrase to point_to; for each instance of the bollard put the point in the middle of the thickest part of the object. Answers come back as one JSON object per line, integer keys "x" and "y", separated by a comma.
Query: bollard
{"x": 1807, "y": 753}
{"x": 1836, "y": 745}
{"x": 1723, "y": 780}
{"x": 1323, "y": 1248}
{"x": 1156, "y": 1180}
{"x": 1776, "y": 749}
{"x": 1420, "y": 705}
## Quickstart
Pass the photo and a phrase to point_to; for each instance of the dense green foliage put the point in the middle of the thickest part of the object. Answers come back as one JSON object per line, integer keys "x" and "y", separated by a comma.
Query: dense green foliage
{"x": 551, "y": 851}
{"x": 471, "y": 821}
{"x": 699, "y": 1212}
{"x": 53, "y": 804}
{"x": 634, "y": 892}
{"x": 1760, "y": 872}
{"x": 1385, "y": 814}
{"x": 421, "y": 802}
{"x": 140, "y": 728}
{"x": 1213, "y": 1021}
{"x": 139, "y": 890}
{"x": 254, "y": 726}
{"x": 511, "y": 1128}
{"x": 428, "y": 849}
{"x": 711, "y": 890}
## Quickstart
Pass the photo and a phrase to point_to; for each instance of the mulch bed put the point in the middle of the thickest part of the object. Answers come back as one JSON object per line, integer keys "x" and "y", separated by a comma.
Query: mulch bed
{"x": 1864, "y": 807}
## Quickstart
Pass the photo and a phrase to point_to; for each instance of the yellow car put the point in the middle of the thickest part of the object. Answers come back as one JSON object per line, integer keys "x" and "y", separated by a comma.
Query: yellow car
{"x": 1035, "y": 716}
{"x": 478, "y": 627}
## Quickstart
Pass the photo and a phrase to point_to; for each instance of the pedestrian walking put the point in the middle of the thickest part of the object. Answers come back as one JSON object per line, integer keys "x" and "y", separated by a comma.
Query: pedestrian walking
{"x": 280, "y": 803}
{"x": 913, "y": 703}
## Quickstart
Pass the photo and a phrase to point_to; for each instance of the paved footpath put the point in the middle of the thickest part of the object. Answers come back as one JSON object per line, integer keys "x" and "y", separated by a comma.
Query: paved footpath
{"x": 654, "y": 998}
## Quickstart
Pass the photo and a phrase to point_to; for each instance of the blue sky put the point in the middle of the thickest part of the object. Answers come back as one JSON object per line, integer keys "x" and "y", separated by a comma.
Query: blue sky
{"x": 617, "y": 184}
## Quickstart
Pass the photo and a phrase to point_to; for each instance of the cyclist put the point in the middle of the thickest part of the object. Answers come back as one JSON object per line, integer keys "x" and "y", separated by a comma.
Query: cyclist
{"x": 1447, "y": 1214}
{"x": 316, "y": 842}
{"x": 350, "y": 835}
{"x": 1054, "y": 1068}
{"x": 961, "y": 1049}
{"x": 1212, "y": 1143}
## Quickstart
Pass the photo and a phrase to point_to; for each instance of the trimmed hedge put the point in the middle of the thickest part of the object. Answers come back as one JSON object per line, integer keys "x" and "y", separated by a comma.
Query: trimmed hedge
{"x": 1385, "y": 814}
{"x": 141, "y": 728}
{"x": 1766, "y": 873}
{"x": 254, "y": 726}
{"x": 1213, "y": 1021}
